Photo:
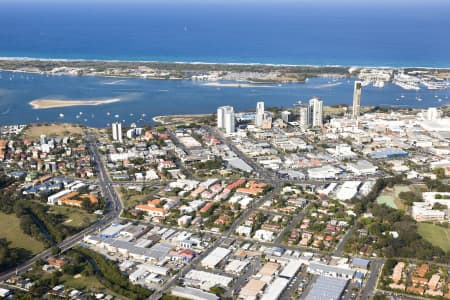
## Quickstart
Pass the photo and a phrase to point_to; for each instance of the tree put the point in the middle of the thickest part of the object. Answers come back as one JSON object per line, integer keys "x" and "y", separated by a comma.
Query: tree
{"x": 439, "y": 206}
{"x": 410, "y": 197}
{"x": 55, "y": 250}
{"x": 217, "y": 290}
{"x": 439, "y": 172}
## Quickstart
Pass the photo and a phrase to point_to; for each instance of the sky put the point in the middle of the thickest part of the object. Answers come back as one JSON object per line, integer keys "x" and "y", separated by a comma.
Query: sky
{"x": 404, "y": 3}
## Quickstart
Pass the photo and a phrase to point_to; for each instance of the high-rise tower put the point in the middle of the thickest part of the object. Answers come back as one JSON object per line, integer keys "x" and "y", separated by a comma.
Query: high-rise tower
{"x": 357, "y": 100}
{"x": 226, "y": 119}
{"x": 315, "y": 112}
{"x": 117, "y": 131}
{"x": 259, "y": 114}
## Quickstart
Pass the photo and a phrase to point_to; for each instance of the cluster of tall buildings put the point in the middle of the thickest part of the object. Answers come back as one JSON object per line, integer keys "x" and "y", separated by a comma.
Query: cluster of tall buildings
{"x": 311, "y": 114}
{"x": 226, "y": 119}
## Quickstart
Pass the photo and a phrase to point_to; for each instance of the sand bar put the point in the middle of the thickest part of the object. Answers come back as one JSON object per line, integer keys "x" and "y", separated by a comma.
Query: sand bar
{"x": 55, "y": 103}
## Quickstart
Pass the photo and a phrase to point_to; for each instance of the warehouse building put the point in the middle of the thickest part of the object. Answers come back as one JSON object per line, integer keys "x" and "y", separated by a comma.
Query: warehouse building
{"x": 388, "y": 153}
{"x": 215, "y": 257}
{"x": 192, "y": 293}
{"x": 327, "y": 288}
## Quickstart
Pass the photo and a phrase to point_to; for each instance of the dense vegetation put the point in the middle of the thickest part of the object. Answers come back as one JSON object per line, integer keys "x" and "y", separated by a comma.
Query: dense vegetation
{"x": 9, "y": 257}
{"x": 179, "y": 67}
{"x": 209, "y": 164}
{"x": 34, "y": 221}
{"x": 111, "y": 277}
{"x": 386, "y": 220}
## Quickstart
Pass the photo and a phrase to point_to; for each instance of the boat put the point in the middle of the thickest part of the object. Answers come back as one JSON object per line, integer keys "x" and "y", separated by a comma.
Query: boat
{"x": 378, "y": 84}
{"x": 406, "y": 82}
{"x": 61, "y": 115}
{"x": 365, "y": 83}
{"x": 436, "y": 85}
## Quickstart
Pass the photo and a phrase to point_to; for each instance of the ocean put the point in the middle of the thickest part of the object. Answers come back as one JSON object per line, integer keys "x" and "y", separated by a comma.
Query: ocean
{"x": 304, "y": 32}
{"x": 142, "y": 99}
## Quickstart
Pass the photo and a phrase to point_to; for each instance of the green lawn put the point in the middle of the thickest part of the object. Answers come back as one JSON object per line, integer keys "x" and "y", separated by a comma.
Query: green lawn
{"x": 75, "y": 217}
{"x": 387, "y": 199}
{"x": 81, "y": 283}
{"x": 132, "y": 200}
{"x": 89, "y": 283}
{"x": 436, "y": 235}
{"x": 397, "y": 190}
{"x": 390, "y": 197}
{"x": 10, "y": 230}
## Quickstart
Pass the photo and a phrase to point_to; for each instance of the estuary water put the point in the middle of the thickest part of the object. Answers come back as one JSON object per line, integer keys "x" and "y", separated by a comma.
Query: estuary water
{"x": 142, "y": 99}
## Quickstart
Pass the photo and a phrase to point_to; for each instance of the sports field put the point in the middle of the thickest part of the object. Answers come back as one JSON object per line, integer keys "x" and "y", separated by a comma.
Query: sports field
{"x": 436, "y": 235}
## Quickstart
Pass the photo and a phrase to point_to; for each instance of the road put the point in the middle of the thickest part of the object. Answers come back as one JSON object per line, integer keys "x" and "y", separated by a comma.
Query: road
{"x": 341, "y": 245}
{"x": 370, "y": 284}
{"x": 256, "y": 167}
{"x": 114, "y": 208}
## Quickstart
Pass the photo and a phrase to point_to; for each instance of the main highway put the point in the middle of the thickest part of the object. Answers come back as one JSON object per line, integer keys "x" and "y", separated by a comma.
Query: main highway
{"x": 113, "y": 211}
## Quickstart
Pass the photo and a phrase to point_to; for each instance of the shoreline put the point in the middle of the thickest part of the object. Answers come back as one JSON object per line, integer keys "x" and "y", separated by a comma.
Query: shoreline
{"x": 59, "y": 103}
{"x": 244, "y": 74}
{"x": 87, "y": 60}
{"x": 239, "y": 85}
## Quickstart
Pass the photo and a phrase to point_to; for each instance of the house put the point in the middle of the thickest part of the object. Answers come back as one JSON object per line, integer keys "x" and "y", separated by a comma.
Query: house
{"x": 397, "y": 272}
{"x": 152, "y": 208}
{"x": 57, "y": 263}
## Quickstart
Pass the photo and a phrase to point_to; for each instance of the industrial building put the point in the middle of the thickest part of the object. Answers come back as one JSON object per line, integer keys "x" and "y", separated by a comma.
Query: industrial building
{"x": 275, "y": 289}
{"x": 215, "y": 257}
{"x": 192, "y": 293}
{"x": 327, "y": 288}
{"x": 388, "y": 153}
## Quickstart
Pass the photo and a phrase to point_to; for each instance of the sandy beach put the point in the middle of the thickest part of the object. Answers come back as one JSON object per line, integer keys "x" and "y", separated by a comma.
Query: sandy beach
{"x": 55, "y": 103}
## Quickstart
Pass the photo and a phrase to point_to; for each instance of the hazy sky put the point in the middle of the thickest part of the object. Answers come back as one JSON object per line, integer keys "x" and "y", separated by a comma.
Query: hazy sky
{"x": 406, "y": 3}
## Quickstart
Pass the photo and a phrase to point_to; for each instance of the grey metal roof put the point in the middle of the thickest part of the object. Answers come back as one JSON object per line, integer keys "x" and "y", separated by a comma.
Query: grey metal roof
{"x": 327, "y": 288}
{"x": 360, "y": 262}
{"x": 331, "y": 269}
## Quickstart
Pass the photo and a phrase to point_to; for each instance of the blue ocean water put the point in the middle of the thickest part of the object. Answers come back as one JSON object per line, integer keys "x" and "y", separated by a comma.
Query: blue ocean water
{"x": 143, "y": 99}
{"x": 369, "y": 33}
{"x": 313, "y": 32}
